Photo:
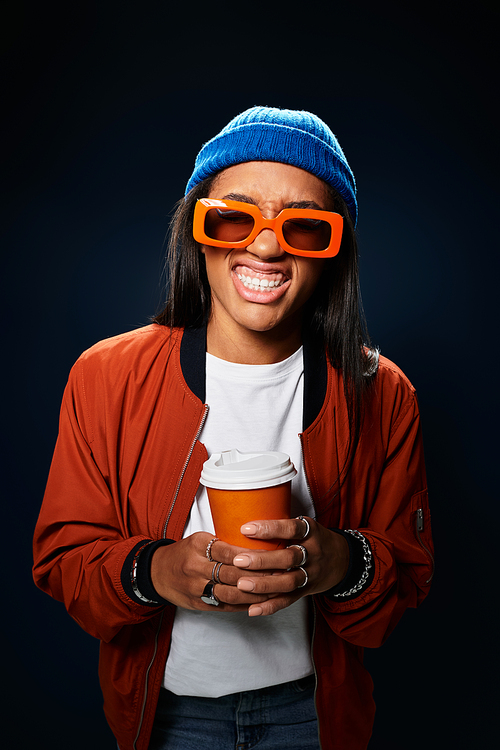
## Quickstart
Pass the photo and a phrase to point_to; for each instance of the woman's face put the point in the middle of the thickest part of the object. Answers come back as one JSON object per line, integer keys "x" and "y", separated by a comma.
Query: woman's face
{"x": 289, "y": 280}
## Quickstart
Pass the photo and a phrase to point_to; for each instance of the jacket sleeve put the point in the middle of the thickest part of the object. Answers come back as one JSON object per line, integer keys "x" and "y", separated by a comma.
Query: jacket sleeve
{"x": 81, "y": 544}
{"x": 396, "y": 524}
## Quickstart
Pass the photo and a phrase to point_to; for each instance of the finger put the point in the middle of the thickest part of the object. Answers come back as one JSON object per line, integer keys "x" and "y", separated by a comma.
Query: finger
{"x": 272, "y": 584}
{"x": 285, "y": 528}
{"x": 272, "y": 606}
{"x": 282, "y": 559}
{"x": 227, "y": 574}
{"x": 221, "y": 607}
{"x": 233, "y": 597}
{"x": 222, "y": 552}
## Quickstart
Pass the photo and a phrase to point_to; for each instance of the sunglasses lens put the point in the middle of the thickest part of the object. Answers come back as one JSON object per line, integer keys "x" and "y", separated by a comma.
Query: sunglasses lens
{"x": 312, "y": 235}
{"x": 226, "y": 225}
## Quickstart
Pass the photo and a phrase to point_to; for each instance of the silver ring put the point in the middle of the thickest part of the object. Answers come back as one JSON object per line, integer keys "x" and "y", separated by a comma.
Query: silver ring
{"x": 306, "y": 578}
{"x": 208, "y": 596}
{"x": 308, "y": 527}
{"x": 208, "y": 551}
{"x": 216, "y": 571}
{"x": 213, "y": 571}
{"x": 304, "y": 554}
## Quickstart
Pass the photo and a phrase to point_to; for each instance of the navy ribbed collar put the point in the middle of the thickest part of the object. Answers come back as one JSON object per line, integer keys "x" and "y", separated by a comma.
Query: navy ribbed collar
{"x": 193, "y": 364}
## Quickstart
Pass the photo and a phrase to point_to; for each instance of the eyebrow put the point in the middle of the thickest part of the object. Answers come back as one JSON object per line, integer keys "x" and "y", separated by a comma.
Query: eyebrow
{"x": 292, "y": 204}
{"x": 238, "y": 197}
{"x": 305, "y": 204}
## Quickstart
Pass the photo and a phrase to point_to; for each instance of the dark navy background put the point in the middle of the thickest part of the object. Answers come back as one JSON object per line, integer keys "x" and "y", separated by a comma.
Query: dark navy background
{"x": 107, "y": 106}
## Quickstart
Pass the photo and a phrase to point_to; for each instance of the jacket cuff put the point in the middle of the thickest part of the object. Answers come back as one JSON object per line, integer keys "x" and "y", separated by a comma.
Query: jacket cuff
{"x": 136, "y": 573}
{"x": 355, "y": 570}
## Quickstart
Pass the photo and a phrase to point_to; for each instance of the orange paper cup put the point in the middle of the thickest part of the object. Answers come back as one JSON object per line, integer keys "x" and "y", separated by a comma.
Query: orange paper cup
{"x": 244, "y": 487}
{"x": 233, "y": 508}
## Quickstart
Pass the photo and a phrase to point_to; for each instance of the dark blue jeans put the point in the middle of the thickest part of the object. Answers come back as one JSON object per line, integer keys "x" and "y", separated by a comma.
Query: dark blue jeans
{"x": 274, "y": 718}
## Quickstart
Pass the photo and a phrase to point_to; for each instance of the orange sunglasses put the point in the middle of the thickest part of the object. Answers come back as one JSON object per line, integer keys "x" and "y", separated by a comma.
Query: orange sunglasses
{"x": 300, "y": 231}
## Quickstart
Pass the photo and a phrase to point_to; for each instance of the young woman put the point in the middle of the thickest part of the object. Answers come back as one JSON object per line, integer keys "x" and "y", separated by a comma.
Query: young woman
{"x": 261, "y": 346}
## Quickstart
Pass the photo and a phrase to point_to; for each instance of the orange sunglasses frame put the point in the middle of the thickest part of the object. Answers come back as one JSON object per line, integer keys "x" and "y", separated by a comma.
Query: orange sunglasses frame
{"x": 203, "y": 205}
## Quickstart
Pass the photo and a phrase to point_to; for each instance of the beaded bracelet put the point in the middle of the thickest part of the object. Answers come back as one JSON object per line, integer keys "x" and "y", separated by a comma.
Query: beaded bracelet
{"x": 367, "y": 556}
{"x": 133, "y": 576}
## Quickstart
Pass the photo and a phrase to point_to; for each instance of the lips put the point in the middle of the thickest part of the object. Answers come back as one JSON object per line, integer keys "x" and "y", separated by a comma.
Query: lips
{"x": 264, "y": 280}
{"x": 273, "y": 274}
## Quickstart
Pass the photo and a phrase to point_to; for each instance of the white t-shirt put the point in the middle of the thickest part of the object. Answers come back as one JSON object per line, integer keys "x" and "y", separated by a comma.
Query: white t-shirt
{"x": 252, "y": 408}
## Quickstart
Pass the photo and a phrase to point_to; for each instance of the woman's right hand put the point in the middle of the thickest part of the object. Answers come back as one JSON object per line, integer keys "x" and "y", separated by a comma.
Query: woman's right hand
{"x": 180, "y": 572}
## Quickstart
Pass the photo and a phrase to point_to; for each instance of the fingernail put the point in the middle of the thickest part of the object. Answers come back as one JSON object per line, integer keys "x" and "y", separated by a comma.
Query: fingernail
{"x": 242, "y": 561}
{"x": 244, "y": 585}
{"x": 249, "y": 529}
{"x": 255, "y": 611}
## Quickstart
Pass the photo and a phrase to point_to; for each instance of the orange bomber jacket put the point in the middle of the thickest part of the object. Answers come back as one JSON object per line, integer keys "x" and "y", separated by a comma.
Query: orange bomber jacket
{"x": 125, "y": 471}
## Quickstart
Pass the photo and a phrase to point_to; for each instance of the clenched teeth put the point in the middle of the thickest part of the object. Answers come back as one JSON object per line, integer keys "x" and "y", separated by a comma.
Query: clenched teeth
{"x": 259, "y": 285}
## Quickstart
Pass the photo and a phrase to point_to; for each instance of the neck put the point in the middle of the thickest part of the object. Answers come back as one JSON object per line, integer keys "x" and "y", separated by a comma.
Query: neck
{"x": 253, "y": 347}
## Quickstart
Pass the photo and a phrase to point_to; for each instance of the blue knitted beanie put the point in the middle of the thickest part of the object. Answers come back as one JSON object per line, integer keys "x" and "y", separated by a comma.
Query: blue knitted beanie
{"x": 288, "y": 136}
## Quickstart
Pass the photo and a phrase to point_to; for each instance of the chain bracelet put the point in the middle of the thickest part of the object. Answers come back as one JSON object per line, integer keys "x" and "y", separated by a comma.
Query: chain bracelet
{"x": 367, "y": 556}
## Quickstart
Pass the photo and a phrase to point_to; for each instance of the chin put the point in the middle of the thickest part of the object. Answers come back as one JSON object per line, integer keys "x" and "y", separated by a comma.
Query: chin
{"x": 265, "y": 324}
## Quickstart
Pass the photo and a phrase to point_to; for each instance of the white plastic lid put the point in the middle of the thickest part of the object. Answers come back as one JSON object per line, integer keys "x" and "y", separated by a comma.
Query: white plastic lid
{"x": 232, "y": 470}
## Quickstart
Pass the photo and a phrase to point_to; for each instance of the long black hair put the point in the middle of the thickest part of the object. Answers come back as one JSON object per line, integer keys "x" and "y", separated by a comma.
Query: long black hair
{"x": 334, "y": 313}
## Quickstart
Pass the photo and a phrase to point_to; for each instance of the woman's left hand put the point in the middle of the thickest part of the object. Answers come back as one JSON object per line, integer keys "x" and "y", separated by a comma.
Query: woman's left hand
{"x": 326, "y": 563}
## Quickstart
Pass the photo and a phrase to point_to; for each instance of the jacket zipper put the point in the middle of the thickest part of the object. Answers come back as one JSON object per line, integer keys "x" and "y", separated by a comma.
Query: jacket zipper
{"x": 312, "y": 599}
{"x": 419, "y": 523}
{"x": 314, "y": 666}
{"x": 177, "y": 490}
{"x": 146, "y": 682}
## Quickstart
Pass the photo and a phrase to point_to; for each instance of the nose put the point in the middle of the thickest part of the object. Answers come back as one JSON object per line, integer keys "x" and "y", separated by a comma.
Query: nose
{"x": 266, "y": 245}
